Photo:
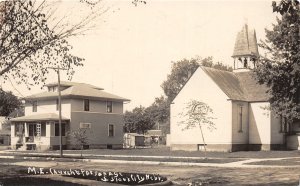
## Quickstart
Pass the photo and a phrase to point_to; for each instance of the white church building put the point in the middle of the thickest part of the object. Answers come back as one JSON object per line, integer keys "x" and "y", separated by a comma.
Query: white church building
{"x": 241, "y": 111}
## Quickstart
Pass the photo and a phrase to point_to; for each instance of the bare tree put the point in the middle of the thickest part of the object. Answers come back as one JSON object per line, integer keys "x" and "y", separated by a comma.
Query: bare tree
{"x": 33, "y": 36}
{"x": 197, "y": 114}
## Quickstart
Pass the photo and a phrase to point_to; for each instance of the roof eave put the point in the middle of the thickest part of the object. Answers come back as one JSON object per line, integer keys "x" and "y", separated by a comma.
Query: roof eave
{"x": 250, "y": 101}
{"x": 77, "y": 96}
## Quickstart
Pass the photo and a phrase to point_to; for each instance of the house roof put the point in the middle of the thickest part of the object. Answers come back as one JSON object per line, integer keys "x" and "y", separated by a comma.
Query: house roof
{"x": 238, "y": 85}
{"x": 39, "y": 117}
{"x": 246, "y": 43}
{"x": 68, "y": 84}
{"x": 77, "y": 90}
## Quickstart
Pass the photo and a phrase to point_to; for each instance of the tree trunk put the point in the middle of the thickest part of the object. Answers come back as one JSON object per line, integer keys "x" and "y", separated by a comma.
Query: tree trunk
{"x": 203, "y": 140}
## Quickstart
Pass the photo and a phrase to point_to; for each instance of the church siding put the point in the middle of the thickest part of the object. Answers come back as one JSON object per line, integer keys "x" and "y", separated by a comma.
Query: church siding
{"x": 240, "y": 126}
{"x": 209, "y": 93}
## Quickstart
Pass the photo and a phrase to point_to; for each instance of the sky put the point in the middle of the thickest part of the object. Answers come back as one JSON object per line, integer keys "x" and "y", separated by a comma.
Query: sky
{"x": 131, "y": 51}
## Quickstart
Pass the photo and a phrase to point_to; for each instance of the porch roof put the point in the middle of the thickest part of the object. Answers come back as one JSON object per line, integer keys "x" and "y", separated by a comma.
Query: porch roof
{"x": 40, "y": 117}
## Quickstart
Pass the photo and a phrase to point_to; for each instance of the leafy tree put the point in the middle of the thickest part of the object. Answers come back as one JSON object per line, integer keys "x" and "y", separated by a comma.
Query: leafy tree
{"x": 280, "y": 68}
{"x": 180, "y": 74}
{"x": 32, "y": 38}
{"x": 197, "y": 114}
{"x": 8, "y": 103}
{"x": 182, "y": 71}
{"x": 159, "y": 111}
{"x": 138, "y": 120}
{"x": 81, "y": 137}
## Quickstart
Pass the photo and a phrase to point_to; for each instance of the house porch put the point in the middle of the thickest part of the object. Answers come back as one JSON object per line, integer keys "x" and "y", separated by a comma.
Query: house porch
{"x": 41, "y": 134}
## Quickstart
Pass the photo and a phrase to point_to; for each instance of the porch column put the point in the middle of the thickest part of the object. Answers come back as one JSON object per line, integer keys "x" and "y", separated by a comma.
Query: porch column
{"x": 26, "y": 129}
{"x": 12, "y": 130}
{"x": 48, "y": 129}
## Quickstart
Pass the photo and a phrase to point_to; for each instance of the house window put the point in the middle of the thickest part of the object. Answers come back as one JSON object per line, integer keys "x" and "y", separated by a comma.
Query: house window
{"x": 111, "y": 131}
{"x": 43, "y": 129}
{"x": 52, "y": 89}
{"x": 34, "y": 106}
{"x": 284, "y": 127}
{"x": 86, "y": 105}
{"x": 109, "y": 106}
{"x": 1, "y": 140}
{"x": 240, "y": 118}
{"x": 281, "y": 123}
{"x": 32, "y": 130}
{"x": 38, "y": 129}
{"x": 57, "y": 104}
{"x": 63, "y": 129}
{"x": 85, "y": 125}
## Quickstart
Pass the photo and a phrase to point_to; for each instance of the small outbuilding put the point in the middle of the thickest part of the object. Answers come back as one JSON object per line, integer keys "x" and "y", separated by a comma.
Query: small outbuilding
{"x": 133, "y": 140}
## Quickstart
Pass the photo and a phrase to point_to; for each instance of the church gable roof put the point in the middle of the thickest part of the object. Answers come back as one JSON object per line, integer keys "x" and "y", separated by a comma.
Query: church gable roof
{"x": 227, "y": 82}
{"x": 238, "y": 86}
{"x": 253, "y": 90}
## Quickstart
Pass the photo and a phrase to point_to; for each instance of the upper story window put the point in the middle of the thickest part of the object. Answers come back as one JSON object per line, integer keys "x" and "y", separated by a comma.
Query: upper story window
{"x": 111, "y": 130}
{"x": 52, "y": 89}
{"x": 109, "y": 106}
{"x": 55, "y": 88}
{"x": 57, "y": 104}
{"x": 284, "y": 126}
{"x": 86, "y": 105}
{"x": 34, "y": 106}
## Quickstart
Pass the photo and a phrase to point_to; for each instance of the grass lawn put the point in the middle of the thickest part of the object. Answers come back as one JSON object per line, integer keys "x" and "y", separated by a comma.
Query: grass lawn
{"x": 68, "y": 158}
{"x": 165, "y": 151}
{"x": 15, "y": 172}
{"x": 211, "y": 175}
{"x": 32, "y": 181}
{"x": 16, "y": 175}
{"x": 180, "y": 175}
{"x": 287, "y": 162}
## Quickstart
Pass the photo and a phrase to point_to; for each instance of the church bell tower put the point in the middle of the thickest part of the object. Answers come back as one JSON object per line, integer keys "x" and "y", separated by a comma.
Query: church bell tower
{"x": 245, "y": 53}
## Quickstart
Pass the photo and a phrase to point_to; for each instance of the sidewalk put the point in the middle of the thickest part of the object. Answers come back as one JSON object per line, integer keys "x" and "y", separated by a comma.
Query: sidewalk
{"x": 152, "y": 160}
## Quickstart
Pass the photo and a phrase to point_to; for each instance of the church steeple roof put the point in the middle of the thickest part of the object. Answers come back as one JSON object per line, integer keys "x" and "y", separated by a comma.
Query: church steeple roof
{"x": 246, "y": 43}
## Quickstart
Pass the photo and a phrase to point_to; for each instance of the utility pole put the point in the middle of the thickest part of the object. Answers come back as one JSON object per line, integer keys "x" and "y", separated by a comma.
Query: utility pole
{"x": 57, "y": 69}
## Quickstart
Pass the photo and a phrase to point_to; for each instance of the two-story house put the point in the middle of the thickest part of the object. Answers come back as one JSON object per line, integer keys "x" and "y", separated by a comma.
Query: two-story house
{"x": 83, "y": 106}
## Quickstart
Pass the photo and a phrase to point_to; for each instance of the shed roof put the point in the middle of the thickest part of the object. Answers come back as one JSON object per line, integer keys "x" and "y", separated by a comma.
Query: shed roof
{"x": 154, "y": 133}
